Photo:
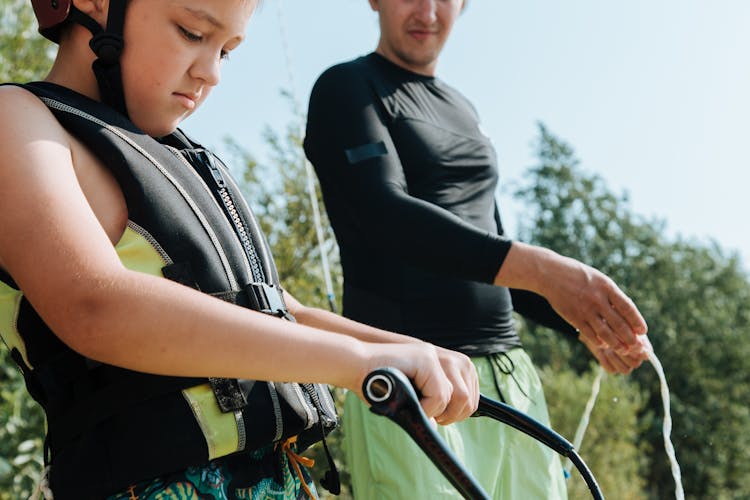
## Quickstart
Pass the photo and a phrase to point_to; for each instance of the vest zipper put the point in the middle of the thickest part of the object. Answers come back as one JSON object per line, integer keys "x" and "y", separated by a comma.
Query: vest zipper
{"x": 254, "y": 229}
{"x": 193, "y": 205}
{"x": 240, "y": 228}
{"x": 327, "y": 401}
{"x": 253, "y": 262}
{"x": 256, "y": 271}
{"x": 191, "y": 168}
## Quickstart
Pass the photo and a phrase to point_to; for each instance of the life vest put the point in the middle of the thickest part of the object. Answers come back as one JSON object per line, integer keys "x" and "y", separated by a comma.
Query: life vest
{"x": 109, "y": 427}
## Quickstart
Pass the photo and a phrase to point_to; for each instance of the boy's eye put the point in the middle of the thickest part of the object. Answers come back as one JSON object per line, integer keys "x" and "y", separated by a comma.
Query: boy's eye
{"x": 190, "y": 35}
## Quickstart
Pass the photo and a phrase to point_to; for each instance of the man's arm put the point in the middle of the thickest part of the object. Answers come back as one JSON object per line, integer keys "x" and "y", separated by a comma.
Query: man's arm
{"x": 536, "y": 308}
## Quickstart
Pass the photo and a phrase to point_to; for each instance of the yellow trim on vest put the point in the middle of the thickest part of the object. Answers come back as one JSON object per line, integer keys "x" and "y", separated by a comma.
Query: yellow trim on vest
{"x": 138, "y": 254}
{"x": 219, "y": 429}
{"x": 10, "y": 301}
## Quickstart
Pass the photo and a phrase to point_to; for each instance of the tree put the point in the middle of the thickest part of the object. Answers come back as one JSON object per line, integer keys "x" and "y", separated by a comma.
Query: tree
{"x": 24, "y": 56}
{"x": 696, "y": 301}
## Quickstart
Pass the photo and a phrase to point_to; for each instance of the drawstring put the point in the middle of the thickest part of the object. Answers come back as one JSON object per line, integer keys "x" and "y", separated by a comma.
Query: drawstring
{"x": 505, "y": 365}
{"x": 295, "y": 460}
{"x": 494, "y": 379}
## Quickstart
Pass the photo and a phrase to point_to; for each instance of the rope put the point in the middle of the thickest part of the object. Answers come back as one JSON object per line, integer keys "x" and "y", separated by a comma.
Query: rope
{"x": 667, "y": 425}
{"x": 584, "y": 423}
{"x": 311, "y": 191}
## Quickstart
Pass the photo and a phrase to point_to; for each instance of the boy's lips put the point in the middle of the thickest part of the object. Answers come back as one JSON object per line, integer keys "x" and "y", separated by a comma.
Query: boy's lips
{"x": 188, "y": 99}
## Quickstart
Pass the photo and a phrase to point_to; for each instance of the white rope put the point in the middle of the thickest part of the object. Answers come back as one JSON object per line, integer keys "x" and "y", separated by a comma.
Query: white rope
{"x": 667, "y": 426}
{"x": 584, "y": 423}
{"x": 311, "y": 191}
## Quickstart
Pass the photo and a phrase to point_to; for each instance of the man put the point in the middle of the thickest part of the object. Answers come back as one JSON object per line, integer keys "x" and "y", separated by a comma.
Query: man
{"x": 409, "y": 181}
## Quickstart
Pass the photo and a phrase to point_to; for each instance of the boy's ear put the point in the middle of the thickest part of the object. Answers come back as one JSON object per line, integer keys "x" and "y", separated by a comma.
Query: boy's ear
{"x": 95, "y": 9}
{"x": 374, "y": 5}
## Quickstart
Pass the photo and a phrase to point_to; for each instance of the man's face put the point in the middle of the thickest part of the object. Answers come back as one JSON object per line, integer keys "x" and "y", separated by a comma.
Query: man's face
{"x": 413, "y": 32}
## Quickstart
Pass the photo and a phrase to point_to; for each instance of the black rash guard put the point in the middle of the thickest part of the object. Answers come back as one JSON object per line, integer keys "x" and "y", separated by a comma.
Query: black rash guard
{"x": 408, "y": 180}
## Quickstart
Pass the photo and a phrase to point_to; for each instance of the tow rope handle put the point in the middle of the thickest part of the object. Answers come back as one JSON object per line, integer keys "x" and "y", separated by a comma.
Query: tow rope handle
{"x": 391, "y": 394}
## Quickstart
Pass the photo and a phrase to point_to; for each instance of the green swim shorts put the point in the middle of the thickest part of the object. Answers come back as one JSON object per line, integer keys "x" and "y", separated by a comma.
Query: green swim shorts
{"x": 386, "y": 464}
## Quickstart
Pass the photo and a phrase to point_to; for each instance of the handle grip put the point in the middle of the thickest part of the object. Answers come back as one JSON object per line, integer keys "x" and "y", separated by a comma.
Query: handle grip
{"x": 392, "y": 395}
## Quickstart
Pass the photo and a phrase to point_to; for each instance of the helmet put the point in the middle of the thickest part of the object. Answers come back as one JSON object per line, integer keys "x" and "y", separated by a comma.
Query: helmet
{"x": 106, "y": 43}
{"x": 51, "y": 14}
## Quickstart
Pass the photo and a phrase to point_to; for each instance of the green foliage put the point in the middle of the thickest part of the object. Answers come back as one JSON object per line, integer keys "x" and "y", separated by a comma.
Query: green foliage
{"x": 24, "y": 56}
{"x": 696, "y": 301}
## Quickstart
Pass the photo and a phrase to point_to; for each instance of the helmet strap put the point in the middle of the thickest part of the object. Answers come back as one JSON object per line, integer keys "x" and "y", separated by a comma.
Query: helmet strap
{"x": 107, "y": 44}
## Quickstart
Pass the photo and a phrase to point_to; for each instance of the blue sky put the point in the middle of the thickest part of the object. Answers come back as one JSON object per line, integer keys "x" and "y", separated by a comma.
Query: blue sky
{"x": 653, "y": 96}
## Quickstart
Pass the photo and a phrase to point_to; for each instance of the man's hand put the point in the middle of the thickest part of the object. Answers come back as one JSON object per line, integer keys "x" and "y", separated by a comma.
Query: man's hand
{"x": 611, "y": 360}
{"x": 585, "y": 297}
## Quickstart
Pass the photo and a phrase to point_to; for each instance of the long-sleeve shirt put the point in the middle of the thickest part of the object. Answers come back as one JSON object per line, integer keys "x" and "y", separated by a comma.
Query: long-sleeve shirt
{"x": 409, "y": 183}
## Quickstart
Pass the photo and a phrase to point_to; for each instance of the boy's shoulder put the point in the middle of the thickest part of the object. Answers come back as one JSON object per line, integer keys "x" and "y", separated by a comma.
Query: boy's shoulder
{"x": 21, "y": 110}
{"x": 11, "y": 93}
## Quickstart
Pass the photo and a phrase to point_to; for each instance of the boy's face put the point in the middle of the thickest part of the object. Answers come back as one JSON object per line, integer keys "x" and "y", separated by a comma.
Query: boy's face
{"x": 172, "y": 56}
{"x": 413, "y": 32}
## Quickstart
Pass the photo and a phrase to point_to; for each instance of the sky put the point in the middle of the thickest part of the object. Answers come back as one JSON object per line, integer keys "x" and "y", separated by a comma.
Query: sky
{"x": 653, "y": 96}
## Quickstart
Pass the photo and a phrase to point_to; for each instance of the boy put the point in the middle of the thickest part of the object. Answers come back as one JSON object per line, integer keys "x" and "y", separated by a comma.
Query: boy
{"x": 145, "y": 380}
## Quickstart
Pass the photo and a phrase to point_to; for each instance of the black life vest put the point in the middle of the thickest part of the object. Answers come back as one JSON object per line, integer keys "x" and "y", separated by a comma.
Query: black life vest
{"x": 109, "y": 427}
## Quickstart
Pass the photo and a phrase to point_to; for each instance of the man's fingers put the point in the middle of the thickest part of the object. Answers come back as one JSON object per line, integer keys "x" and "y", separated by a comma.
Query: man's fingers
{"x": 592, "y": 341}
{"x": 620, "y": 363}
{"x": 627, "y": 310}
{"x": 603, "y": 332}
{"x": 619, "y": 327}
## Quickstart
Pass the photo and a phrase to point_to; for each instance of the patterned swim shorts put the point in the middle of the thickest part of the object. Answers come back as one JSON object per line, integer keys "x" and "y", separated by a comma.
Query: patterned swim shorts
{"x": 265, "y": 474}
